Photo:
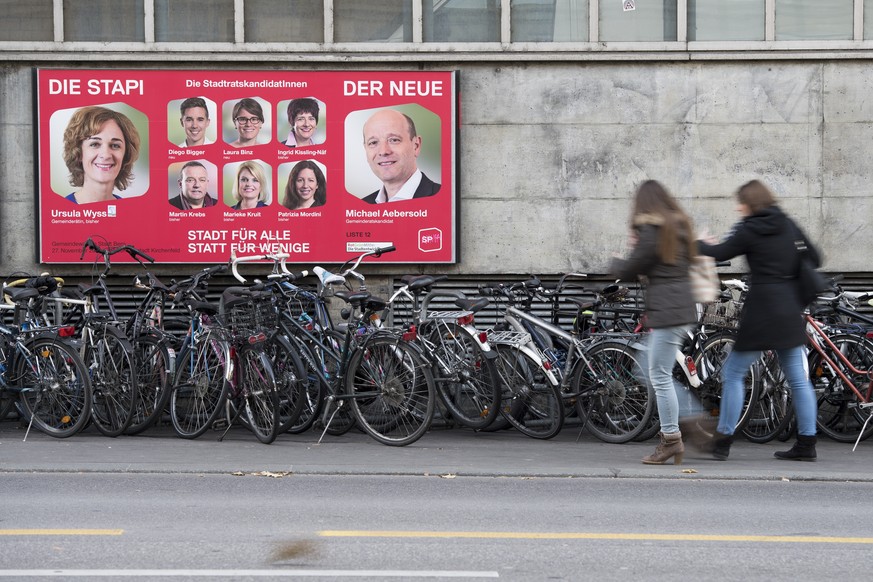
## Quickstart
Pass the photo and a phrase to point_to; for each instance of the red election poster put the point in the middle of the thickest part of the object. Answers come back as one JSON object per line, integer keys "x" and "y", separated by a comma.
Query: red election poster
{"x": 194, "y": 166}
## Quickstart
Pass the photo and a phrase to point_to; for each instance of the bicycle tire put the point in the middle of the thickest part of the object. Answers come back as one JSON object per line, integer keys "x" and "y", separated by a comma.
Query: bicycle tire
{"x": 465, "y": 377}
{"x": 290, "y": 376}
{"x": 839, "y": 415}
{"x": 336, "y": 414}
{"x": 615, "y": 402}
{"x": 55, "y": 387}
{"x": 392, "y": 391}
{"x": 312, "y": 391}
{"x": 530, "y": 401}
{"x": 152, "y": 358}
{"x": 258, "y": 382}
{"x": 709, "y": 362}
{"x": 108, "y": 356}
{"x": 771, "y": 410}
{"x": 200, "y": 387}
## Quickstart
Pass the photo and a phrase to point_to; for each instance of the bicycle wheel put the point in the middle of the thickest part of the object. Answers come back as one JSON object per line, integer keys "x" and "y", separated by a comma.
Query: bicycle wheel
{"x": 312, "y": 391}
{"x": 709, "y": 363}
{"x": 108, "y": 355}
{"x": 392, "y": 391}
{"x": 465, "y": 378}
{"x": 337, "y": 417}
{"x": 839, "y": 414}
{"x": 290, "y": 380}
{"x": 258, "y": 383}
{"x": 55, "y": 387}
{"x": 771, "y": 410}
{"x": 530, "y": 401}
{"x": 614, "y": 400}
{"x": 152, "y": 357}
{"x": 199, "y": 387}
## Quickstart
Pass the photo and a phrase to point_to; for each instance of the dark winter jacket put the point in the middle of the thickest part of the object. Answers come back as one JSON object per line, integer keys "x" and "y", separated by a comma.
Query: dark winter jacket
{"x": 772, "y": 313}
{"x": 668, "y": 295}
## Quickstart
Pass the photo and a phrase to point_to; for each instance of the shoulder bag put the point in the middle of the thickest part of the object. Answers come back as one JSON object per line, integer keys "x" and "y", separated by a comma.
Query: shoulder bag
{"x": 810, "y": 281}
{"x": 705, "y": 285}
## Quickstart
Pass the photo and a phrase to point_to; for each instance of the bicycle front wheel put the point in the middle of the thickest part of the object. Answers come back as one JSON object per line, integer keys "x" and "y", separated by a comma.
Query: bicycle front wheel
{"x": 55, "y": 387}
{"x": 770, "y": 410}
{"x": 200, "y": 386}
{"x": 614, "y": 400}
{"x": 391, "y": 390}
{"x": 466, "y": 379}
{"x": 152, "y": 357}
{"x": 290, "y": 380}
{"x": 530, "y": 401}
{"x": 108, "y": 355}
{"x": 839, "y": 413}
{"x": 709, "y": 363}
{"x": 258, "y": 383}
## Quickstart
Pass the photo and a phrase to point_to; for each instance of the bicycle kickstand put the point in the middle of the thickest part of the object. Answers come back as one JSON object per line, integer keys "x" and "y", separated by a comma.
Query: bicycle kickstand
{"x": 863, "y": 428}
{"x": 330, "y": 400}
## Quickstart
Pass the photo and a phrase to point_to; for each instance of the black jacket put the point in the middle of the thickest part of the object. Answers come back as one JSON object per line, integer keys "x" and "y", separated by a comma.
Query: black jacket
{"x": 772, "y": 313}
{"x": 668, "y": 296}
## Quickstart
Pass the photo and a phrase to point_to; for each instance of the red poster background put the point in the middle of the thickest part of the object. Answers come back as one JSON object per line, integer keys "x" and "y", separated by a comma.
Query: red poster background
{"x": 424, "y": 230}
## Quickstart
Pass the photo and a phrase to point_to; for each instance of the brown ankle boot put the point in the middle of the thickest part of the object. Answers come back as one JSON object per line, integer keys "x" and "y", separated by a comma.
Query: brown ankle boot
{"x": 669, "y": 446}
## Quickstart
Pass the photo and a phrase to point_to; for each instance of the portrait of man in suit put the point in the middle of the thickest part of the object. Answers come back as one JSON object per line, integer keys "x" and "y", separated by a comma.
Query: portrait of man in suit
{"x": 392, "y": 146}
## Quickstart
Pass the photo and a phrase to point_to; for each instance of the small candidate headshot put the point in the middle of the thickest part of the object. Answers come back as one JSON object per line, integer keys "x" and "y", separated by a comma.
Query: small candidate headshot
{"x": 306, "y": 187}
{"x": 195, "y": 120}
{"x": 303, "y": 119}
{"x": 248, "y": 118}
{"x": 101, "y": 147}
{"x": 392, "y": 145}
{"x": 193, "y": 188}
{"x": 251, "y": 189}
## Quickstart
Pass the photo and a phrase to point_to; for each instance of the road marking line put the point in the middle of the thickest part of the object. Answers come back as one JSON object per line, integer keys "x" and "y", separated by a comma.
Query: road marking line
{"x": 594, "y": 536}
{"x": 61, "y": 532}
{"x": 407, "y": 574}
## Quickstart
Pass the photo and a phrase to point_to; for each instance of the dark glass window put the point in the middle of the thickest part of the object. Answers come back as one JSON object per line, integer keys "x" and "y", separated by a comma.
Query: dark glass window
{"x": 25, "y": 21}
{"x": 651, "y": 20}
{"x": 376, "y": 21}
{"x": 549, "y": 20}
{"x": 284, "y": 21}
{"x": 461, "y": 20}
{"x": 720, "y": 20}
{"x": 194, "y": 21}
{"x": 104, "y": 20}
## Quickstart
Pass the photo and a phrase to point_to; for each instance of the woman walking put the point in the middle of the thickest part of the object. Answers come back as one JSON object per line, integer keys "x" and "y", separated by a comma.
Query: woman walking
{"x": 772, "y": 317}
{"x": 663, "y": 244}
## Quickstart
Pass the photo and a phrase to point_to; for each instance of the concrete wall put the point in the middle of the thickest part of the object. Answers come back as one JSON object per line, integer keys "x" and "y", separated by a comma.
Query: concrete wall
{"x": 551, "y": 153}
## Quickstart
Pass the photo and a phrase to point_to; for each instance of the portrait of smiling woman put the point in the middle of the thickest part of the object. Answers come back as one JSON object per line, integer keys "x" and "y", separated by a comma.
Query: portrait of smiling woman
{"x": 101, "y": 147}
{"x": 306, "y": 187}
{"x": 251, "y": 189}
{"x": 248, "y": 121}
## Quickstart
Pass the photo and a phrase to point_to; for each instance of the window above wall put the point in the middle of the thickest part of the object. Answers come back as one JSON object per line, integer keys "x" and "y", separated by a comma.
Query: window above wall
{"x": 416, "y": 29}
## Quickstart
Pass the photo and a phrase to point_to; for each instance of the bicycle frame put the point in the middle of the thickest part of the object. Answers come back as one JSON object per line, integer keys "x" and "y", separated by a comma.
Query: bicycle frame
{"x": 817, "y": 337}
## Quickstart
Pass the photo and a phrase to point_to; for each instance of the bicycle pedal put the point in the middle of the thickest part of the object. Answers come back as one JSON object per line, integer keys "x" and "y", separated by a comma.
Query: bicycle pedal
{"x": 220, "y": 424}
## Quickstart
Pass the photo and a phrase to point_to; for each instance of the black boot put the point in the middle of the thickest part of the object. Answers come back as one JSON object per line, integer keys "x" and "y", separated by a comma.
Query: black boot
{"x": 721, "y": 446}
{"x": 803, "y": 450}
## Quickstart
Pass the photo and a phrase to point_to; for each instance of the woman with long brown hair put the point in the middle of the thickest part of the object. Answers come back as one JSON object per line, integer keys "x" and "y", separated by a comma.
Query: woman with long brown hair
{"x": 663, "y": 244}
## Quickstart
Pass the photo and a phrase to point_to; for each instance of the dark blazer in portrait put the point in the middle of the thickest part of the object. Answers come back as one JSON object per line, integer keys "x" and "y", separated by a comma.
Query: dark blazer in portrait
{"x": 426, "y": 188}
{"x": 177, "y": 202}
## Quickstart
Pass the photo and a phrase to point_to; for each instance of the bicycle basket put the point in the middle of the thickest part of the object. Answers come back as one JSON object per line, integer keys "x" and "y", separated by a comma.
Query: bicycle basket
{"x": 723, "y": 314}
{"x": 248, "y": 316}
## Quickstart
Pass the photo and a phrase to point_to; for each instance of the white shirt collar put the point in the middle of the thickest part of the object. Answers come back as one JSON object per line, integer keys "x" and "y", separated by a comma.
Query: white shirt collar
{"x": 405, "y": 193}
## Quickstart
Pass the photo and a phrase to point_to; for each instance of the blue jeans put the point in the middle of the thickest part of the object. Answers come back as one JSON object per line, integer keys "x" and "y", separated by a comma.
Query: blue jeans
{"x": 673, "y": 399}
{"x": 796, "y": 368}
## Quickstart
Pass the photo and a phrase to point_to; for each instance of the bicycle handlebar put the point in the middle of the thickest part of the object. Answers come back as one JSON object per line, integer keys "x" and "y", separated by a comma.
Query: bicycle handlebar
{"x": 131, "y": 250}
{"x": 374, "y": 253}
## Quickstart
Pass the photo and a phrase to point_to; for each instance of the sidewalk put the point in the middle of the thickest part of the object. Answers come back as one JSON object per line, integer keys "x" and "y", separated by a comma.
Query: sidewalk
{"x": 440, "y": 452}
